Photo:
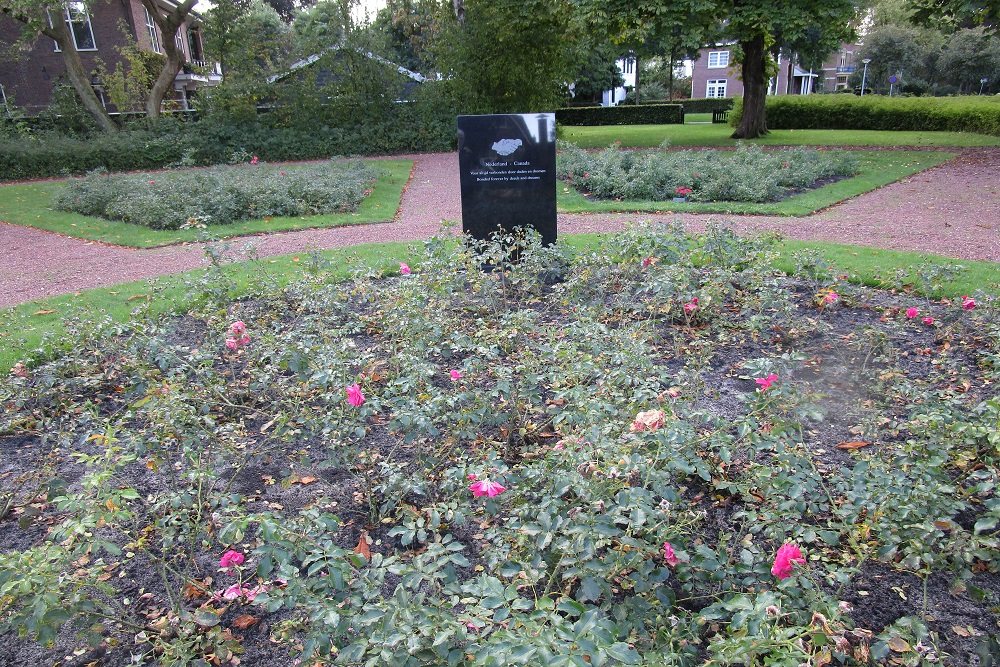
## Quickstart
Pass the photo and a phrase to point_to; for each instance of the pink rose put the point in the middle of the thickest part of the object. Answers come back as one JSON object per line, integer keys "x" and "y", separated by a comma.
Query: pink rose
{"x": 669, "y": 556}
{"x": 788, "y": 556}
{"x": 831, "y": 297}
{"x": 912, "y": 312}
{"x": 232, "y": 592}
{"x": 456, "y": 375}
{"x": 929, "y": 321}
{"x": 648, "y": 262}
{"x": 471, "y": 476}
{"x": 404, "y": 269}
{"x": 650, "y": 420}
{"x": 254, "y": 160}
{"x": 237, "y": 328}
{"x": 691, "y": 306}
{"x": 354, "y": 395}
{"x": 485, "y": 487}
{"x": 968, "y": 303}
{"x": 231, "y": 559}
{"x": 766, "y": 382}
{"x": 244, "y": 339}
{"x": 232, "y": 344}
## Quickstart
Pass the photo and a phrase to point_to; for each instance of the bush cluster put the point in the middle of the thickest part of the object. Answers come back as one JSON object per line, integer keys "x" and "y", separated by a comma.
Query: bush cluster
{"x": 642, "y": 114}
{"x": 218, "y": 195}
{"x": 747, "y": 174}
{"x": 657, "y": 452}
{"x": 875, "y": 112}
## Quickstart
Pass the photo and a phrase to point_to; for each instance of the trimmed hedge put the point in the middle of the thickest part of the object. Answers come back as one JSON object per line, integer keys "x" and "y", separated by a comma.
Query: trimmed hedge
{"x": 625, "y": 114}
{"x": 707, "y": 104}
{"x": 208, "y": 142}
{"x": 876, "y": 112}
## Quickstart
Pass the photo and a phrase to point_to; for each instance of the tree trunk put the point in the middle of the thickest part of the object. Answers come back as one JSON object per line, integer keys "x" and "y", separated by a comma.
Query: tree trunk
{"x": 165, "y": 80}
{"x": 78, "y": 75}
{"x": 670, "y": 89}
{"x": 459, "y": 6}
{"x": 753, "y": 123}
{"x": 168, "y": 25}
{"x": 636, "y": 80}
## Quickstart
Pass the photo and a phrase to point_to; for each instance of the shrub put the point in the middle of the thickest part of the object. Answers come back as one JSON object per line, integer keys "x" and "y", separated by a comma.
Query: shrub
{"x": 875, "y": 112}
{"x": 217, "y": 195}
{"x": 747, "y": 174}
{"x": 706, "y": 104}
{"x": 643, "y": 114}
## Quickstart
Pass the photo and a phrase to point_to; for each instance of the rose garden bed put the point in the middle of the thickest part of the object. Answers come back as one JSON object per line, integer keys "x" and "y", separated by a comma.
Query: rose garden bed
{"x": 659, "y": 453}
{"x": 177, "y": 205}
{"x": 747, "y": 180}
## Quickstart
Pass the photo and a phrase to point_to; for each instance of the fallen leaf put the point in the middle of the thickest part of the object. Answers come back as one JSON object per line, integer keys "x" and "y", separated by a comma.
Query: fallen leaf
{"x": 244, "y": 621}
{"x": 899, "y": 645}
{"x": 305, "y": 480}
{"x": 853, "y": 444}
{"x": 135, "y": 297}
{"x": 363, "y": 547}
{"x": 960, "y": 631}
{"x": 44, "y": 312}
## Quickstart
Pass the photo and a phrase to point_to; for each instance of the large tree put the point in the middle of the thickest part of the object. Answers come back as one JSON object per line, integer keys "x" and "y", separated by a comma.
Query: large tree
{"x": 34, "y": 17}
{"x": 757, "y": 25}
{"x": 169, "y": 22}
{"x": 508, "y": 56}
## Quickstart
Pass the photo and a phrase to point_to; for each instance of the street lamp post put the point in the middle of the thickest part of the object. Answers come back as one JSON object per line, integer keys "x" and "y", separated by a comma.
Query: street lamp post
{"x": 864, "y": 75}
{"x": 982, "y": 84}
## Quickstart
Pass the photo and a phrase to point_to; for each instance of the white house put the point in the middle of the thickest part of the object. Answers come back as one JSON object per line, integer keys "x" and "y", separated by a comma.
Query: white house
{"x": 626, "y": 65}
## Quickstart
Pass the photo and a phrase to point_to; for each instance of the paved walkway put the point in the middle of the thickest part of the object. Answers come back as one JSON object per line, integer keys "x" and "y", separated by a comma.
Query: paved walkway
{"x": 952, "y": 210}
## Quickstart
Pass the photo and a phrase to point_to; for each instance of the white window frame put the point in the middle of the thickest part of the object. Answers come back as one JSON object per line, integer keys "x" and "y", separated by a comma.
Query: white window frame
{"x": 154, "y": 36}
{"x": 718, "y": 86}
{"x": 69, "y": 26}
{"x": 721, "y": 59}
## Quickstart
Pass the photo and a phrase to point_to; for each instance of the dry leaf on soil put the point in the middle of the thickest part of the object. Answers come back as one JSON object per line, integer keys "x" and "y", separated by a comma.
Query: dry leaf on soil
{"x": 853, "y": 444}
{"x": 244, "y": 621}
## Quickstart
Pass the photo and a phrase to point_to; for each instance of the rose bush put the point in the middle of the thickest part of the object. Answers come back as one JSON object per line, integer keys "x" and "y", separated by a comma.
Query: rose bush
{"x": 611, "y": 478}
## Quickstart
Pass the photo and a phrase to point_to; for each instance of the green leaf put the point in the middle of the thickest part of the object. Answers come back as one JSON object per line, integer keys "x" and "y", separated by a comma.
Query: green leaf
{"x": 983, "y": 525}
{"x": 206, "y": 618}
{"x": 590, "y": 590}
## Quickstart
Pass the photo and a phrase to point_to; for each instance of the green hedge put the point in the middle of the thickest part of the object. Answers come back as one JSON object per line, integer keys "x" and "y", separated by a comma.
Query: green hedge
{"x": 625, "y": 114}
{"x": 706, "y": 104}
{"x": 876, "y": 112}
{"x": 208, "y": 142}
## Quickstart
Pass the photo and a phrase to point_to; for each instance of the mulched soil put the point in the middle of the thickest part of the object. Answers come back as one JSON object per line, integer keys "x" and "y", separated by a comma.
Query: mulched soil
{"x": 953, "y": 209}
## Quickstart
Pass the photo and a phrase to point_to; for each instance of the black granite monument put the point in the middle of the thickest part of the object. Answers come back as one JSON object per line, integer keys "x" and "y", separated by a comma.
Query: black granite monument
{"x": 508, "y": 173}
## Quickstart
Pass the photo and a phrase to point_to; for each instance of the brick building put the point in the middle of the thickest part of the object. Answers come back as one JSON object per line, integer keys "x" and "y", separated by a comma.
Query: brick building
{"x": 715, "y": 74}
{"x": 100, "y": 32}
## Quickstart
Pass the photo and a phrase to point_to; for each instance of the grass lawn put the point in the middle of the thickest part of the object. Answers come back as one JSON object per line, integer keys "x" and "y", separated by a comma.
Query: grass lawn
{"x": 877, "y": 169}
{"x": 635, "y": 136}
{"x": 698, "y": 117}
{"x": 28, "y": 205}
{"x": 38, "y": 327}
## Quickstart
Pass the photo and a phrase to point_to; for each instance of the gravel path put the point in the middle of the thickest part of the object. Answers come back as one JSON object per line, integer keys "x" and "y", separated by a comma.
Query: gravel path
{"x": 953, "y": 209}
